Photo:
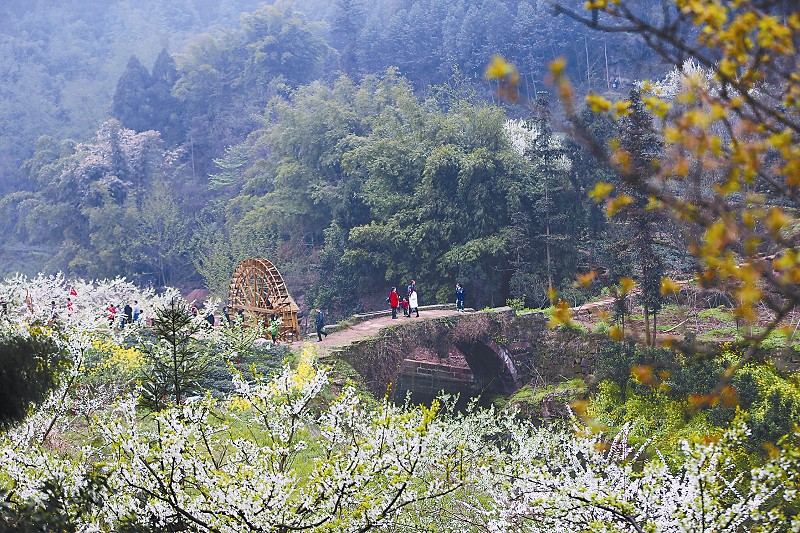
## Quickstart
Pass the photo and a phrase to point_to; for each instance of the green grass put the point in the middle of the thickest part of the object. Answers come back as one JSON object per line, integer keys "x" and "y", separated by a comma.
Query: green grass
{"x": 720, "y": 313}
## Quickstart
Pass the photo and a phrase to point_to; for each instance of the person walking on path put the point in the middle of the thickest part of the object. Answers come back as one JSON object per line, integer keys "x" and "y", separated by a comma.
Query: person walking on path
{"x": 320, "y": 325}
{"x": 404, "y": 305}
{"x": 412, "y": 303}
{"x": 459, "y": 298}
{"x": 411, "y": 287}
{"x": 394, "y": 301}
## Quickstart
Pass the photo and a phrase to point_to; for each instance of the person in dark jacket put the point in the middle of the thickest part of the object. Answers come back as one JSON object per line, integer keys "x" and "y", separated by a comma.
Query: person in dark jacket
{"x": 127, "y": 312}
{"x": 459, "y": 297}
{"x": 411, "y": 288}
{"x": 394, "y": 301}
{"x": 320, "y": 325}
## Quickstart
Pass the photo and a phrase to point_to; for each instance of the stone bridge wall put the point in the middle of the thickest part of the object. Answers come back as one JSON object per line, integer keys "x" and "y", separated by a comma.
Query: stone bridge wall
{"x": 471, "y": 353}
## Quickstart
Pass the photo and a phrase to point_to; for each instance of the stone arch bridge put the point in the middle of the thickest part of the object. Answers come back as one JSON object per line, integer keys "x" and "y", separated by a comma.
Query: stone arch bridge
{"x": 487, "y": 352}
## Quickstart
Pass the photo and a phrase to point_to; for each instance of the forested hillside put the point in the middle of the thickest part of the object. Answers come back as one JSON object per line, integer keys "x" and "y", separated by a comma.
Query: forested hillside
{"x": 356, "y": 144}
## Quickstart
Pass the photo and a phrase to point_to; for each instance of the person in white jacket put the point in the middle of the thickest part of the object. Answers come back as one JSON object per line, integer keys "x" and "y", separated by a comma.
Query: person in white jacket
{"x": 412, "y": 303}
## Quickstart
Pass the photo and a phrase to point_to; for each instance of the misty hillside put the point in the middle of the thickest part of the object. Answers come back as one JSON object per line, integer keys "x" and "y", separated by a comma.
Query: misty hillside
{"x": 353, "y": 142}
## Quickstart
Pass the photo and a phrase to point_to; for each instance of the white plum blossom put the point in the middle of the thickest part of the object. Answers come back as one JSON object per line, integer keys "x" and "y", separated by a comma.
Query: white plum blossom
{"x": 687, "y": 77}
{"x": 303, "y": 452}
{"x": 528, "y": 141}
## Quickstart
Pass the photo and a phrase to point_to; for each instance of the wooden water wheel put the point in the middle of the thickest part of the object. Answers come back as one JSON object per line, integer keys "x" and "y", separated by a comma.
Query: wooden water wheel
{"x": 259, "y": 293}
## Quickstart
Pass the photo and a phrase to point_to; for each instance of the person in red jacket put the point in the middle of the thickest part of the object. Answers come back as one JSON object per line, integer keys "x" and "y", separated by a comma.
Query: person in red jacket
{"x": 394, "y": 301}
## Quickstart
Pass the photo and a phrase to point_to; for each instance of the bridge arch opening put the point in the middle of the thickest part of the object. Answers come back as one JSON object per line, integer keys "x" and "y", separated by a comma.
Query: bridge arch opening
{"x": 492, "y": 367}
{"x": 478, "y": 367}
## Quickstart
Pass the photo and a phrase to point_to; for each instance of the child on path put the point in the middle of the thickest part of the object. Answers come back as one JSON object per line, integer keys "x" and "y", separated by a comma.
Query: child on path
{"x": 411, "y": 288}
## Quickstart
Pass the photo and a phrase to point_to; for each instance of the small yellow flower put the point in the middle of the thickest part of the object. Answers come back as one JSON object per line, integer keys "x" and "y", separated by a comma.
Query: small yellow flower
{"x": 237, "y": 403}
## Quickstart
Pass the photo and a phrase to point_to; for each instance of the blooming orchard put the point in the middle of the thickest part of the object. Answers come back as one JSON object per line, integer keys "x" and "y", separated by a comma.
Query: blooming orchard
{"x": 299, "y": 452}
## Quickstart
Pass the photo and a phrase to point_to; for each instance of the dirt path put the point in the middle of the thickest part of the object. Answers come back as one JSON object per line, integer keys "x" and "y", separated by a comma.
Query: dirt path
{"x": 589, "y": 307}
{"x": 366, "y": 329}
{"x": 608, "y": 301}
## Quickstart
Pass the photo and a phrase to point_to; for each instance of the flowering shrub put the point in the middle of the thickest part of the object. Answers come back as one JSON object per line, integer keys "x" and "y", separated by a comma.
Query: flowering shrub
{"x": 344, "y": 467}
{"x": 109, "y": 360}
{"x": 557, "y": 481}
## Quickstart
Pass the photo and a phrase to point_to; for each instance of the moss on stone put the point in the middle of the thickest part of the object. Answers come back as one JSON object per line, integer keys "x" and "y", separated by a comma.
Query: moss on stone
{"x": 550, "y": 401}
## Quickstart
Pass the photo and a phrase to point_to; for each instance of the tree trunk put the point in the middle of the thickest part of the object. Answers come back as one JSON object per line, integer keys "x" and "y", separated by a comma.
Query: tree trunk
{"x": 655, "y": 331}
{"x": 586, "y": 47}
{"x": 547, "y": 238}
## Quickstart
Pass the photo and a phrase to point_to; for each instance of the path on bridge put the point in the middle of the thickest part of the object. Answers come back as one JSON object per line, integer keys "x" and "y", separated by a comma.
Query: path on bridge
{"x": 368, "y": 328}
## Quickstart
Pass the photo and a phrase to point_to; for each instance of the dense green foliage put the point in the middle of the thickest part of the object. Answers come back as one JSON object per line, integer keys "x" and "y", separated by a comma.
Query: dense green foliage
{"x": 388, "y": 188}
{"x": 30, "y": 367}
{"x": 60, "y": 62}
{"x": 664, "y": 392}
{"x": 373, "y": 184}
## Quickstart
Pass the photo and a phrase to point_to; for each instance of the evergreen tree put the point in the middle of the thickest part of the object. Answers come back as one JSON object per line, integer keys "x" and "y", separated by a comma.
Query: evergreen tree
{"x": 132, "y": 103}
{"x": 176, "y": 363}
{"x": 347, "y": 21}
{"x": 167, "y": 112}
{"x": 639, "y": 140}
{"x": 549, "y": 215}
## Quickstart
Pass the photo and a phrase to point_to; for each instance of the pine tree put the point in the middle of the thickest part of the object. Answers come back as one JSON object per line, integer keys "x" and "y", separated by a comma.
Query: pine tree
{"x": 347, "y": 21}
{"x": 176, "y": 363}
{"x": 131, "y": 98}
{"x": 639, "y": 140}
{"x": 166, "y": 109}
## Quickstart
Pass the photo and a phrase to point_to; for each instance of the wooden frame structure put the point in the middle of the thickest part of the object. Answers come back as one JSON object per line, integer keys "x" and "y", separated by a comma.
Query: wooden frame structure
{"x": 258, "y": 292}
